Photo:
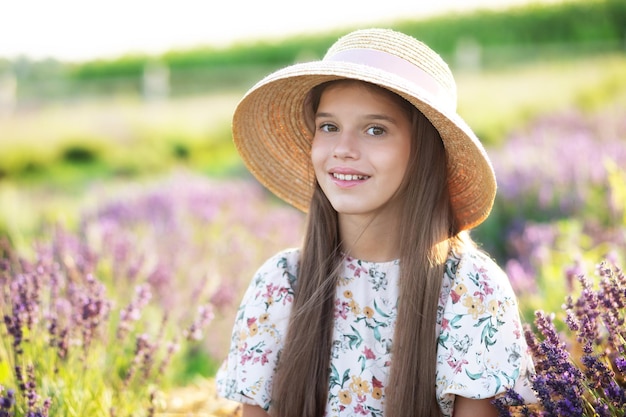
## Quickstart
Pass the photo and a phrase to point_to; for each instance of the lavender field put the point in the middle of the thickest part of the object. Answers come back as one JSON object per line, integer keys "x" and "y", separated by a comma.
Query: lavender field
{"x": 118, "y": 297}
{"x": 146, "y": 285}
{"x": 559, "y": 227}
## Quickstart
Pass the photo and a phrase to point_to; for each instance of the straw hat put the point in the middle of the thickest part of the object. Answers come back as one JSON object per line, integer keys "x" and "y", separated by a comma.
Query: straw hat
{"x": 270, "y": 133}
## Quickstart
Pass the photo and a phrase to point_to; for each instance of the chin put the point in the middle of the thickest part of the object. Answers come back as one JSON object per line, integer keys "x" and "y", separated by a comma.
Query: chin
{"x": 350, "y": 209}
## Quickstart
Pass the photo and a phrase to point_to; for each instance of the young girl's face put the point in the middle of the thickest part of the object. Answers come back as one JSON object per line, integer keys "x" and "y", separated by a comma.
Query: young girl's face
{"x": 361, "y": 147}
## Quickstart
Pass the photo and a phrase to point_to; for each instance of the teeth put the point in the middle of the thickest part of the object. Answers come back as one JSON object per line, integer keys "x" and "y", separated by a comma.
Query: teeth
{"x": 349, "y": 177}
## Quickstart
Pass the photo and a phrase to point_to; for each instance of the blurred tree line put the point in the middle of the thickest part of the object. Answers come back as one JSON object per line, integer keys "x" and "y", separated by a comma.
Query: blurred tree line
{"x": 478, "y": 39}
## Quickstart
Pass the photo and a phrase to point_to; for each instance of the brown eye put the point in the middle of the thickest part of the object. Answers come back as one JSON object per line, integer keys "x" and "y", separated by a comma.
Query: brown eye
{"x": 376, "y": 131}
{"x": 328, "y": 127}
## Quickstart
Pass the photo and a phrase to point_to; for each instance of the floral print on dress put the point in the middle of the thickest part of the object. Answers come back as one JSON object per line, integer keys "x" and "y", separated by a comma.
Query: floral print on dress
{"x": 481, "y": 350}
{"x": 365, "y": 311}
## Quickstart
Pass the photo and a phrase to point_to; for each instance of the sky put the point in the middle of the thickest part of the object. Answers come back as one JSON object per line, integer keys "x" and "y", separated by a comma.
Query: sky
{"x": 79, "y": 30}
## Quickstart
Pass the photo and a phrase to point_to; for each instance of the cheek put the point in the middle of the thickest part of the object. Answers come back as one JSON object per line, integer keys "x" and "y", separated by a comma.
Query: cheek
{"x": 398, "y": 163}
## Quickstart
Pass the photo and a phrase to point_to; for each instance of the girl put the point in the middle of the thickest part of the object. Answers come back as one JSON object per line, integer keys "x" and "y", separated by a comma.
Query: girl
{"x": 388, "y": 308}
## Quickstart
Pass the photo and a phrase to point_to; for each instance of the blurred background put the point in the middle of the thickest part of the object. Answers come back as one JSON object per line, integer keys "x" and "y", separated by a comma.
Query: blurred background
{"x": 115, "y": 129}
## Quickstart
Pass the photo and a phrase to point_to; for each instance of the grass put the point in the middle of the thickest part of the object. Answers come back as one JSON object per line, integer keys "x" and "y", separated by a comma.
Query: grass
{"x": 494, "y": 102}
{"x": 118, "y": 136}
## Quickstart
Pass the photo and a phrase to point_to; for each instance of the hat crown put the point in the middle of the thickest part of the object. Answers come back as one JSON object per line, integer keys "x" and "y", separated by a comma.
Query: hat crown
{"x": 427, "y": 66}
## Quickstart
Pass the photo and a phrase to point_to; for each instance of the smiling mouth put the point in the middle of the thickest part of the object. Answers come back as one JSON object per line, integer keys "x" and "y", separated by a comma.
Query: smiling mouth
{"x": 349, "y": 177}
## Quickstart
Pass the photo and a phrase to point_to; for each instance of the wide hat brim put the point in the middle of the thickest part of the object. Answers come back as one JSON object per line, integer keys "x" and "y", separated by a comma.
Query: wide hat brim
{"x": 270, "y": 134}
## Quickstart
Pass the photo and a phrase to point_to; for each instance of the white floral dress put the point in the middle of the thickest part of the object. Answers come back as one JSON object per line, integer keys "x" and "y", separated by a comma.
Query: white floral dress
{"x": 481, "y": 349}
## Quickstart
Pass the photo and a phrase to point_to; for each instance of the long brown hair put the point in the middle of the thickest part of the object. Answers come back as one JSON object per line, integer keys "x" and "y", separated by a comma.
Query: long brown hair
{"x": 300, "y": 386}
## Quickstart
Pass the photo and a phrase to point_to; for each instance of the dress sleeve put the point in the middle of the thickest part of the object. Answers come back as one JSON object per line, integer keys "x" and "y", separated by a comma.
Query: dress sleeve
{"x": 481, "y": 347}
{"x": 258, "y": 333}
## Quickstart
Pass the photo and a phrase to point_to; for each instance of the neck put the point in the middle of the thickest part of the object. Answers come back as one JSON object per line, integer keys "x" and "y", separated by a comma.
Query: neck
{"x": 370, "y": 239}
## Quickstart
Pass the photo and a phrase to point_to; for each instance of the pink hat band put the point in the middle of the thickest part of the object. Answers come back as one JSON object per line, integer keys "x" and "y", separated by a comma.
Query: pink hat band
{"x": 400, "y": 67}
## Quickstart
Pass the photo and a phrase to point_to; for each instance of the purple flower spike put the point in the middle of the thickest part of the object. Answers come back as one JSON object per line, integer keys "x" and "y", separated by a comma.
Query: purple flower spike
{"x": 582, "y": 372}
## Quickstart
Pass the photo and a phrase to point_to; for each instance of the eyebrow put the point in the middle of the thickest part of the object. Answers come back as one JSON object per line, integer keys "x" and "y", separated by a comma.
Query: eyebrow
{"x": 368, "y": 117}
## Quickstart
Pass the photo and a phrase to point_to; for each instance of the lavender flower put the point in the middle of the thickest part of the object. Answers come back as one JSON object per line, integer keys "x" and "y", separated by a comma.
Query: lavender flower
{"x": 6, "y": 402}
{"x": 67, "y": 308}
{"x": 589, "y": 383}
{"x": 172, "y": 348}
{"x": 551, "y": 196}
{"x": 31, "y": 388}
{"x": 195, "y": 331}
{"x": 535, "y": 167}
{"x": 132, "y": 312}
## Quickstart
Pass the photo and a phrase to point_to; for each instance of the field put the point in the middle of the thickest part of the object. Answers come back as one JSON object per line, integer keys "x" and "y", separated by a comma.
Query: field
{"x": 131, "y": 230}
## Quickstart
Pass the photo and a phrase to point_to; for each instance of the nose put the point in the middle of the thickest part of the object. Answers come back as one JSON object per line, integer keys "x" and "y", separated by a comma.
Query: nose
{"x": 346, "y": 146}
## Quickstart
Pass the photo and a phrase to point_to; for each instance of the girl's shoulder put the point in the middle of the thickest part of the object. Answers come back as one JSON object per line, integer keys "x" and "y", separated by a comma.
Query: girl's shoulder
{"x": 280, "y": 266}
{"x": 477, "y": 267}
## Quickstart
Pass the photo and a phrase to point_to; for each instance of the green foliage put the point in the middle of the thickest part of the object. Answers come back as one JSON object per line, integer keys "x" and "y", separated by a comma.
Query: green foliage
{"x": 499, "y": 38}
{"x": 102, "y": 68}
{"x": 79, "y": 154}
{"x": 526, "y": 27}
{"x": 574, "y": 251}
{"x": 146, "y": 139}
{"x": 193, "y": 364}
{"x": 147, "y": 150}
{"x": 239, "y": 58}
